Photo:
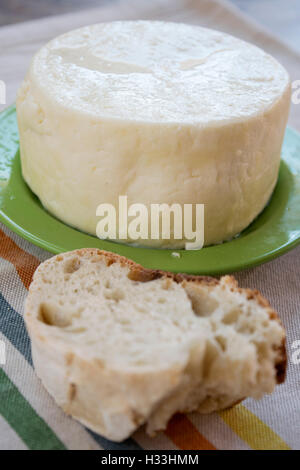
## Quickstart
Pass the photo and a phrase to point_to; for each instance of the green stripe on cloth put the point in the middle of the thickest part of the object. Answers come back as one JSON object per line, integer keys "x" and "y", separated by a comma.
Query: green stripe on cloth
{"x": 16, "y": 410}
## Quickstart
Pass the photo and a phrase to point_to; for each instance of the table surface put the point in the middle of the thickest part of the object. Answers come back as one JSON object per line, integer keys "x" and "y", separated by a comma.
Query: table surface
{"x": 281, "y": 17}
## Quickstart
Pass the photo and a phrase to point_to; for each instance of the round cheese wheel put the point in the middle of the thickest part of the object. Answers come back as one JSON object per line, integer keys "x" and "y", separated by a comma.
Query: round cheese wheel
{"x": 162, "y": 113}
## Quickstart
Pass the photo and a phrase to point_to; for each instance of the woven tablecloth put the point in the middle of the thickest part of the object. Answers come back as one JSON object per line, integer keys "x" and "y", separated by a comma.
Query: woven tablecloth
{"x": 29, "y": 417}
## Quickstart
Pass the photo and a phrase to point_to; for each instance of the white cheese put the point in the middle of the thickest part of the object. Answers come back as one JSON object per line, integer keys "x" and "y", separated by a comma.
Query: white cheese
{"x": 160, "y": 112}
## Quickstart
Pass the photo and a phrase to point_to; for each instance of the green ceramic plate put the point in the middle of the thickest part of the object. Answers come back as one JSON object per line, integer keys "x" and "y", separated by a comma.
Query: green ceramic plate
{"x": 273, "y": 233}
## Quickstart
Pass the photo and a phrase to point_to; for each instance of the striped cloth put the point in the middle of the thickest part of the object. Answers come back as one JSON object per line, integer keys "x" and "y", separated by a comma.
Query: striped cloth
{"x": 29, "y": 418}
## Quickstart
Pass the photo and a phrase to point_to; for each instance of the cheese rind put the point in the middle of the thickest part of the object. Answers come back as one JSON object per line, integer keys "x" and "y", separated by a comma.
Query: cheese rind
{"x": 160, "y": 112}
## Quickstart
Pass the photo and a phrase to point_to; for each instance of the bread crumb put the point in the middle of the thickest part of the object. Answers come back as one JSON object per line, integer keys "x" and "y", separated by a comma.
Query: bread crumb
{"x": 175, "y": 255}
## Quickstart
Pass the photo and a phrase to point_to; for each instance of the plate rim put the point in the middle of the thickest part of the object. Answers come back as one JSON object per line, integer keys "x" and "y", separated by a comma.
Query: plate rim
{"x": 120, "y": 248}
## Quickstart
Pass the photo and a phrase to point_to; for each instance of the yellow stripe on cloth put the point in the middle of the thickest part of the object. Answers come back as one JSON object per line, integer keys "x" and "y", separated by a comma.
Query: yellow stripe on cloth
{"x": 253, "y": 430}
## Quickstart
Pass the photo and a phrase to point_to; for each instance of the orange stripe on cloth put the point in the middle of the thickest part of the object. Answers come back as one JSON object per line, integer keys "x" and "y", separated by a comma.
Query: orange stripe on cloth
{"x": 185, "y": 435}
{"x": 24, "y": 263}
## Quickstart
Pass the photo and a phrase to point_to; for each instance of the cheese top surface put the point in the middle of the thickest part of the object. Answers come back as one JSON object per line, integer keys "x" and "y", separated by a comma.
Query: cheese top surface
{"x": 157, "y": 72}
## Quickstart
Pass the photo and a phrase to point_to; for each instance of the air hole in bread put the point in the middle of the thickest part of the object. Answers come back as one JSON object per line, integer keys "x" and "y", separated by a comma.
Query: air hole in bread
{"x": 71, "y": 265}
{"x": 116, "y": 294}
{"x": 110, "y": 261}
{"x": 167, "y": 284}
{"x": 211, "y": 352}
{"x": 46, "y": 280}
{"x": 96, "y": 259}
{"x": 231, "y": 317}
{"x": 203, "y": 304}
{"x": 51, "y": 315}
{"x": 141, "y": 309}
{"x": 222, "y": 341}
{"x": 80, "y": 329}
{"x": 141, "y": 276}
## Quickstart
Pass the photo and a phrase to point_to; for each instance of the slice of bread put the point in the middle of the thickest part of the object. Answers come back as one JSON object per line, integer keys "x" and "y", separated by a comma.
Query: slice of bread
{"x": 118, "y": 345}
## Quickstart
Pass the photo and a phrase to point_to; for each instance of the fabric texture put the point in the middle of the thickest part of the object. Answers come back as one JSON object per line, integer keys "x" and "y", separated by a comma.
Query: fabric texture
{"x": 29, "y": 418}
